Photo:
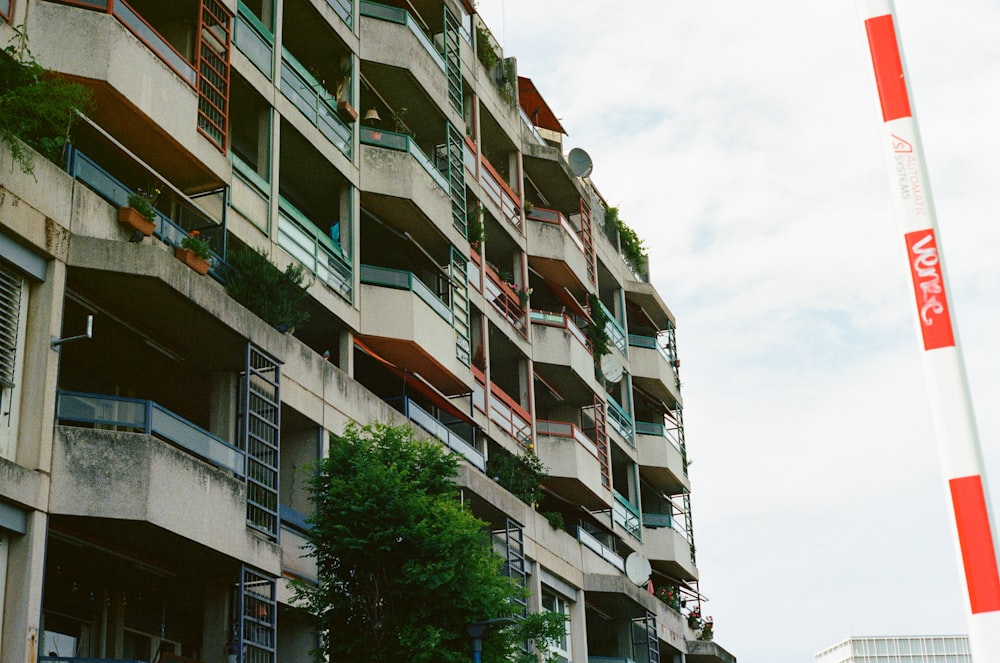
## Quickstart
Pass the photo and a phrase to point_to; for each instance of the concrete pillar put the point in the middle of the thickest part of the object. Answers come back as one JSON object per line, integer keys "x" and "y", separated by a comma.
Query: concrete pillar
{"x": 216, "y": 627}
{"x": 225, "y": 405}
{"x": 22, "y": 609}
{"x": 345, "y": 352}
{"x": 578, "y": 628}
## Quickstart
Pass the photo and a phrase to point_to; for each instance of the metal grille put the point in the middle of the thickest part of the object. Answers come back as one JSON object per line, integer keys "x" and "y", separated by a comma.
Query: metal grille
{"x": 688, "y": 524}
{"x": 645, "y": 645}
{"x": 587, "y": 235}
{"x": 453, "y": 60}
{"x": 511, "y": 539}
{"x": 460, "y": 306}
{"x": 257, "y": 610}
{"x": 10, "y": 315}
{"x": 456, "y": 178}
{"x": 260, "y": 419}
{"x": 215, "y": 39}
{"x": 601, "y": 439}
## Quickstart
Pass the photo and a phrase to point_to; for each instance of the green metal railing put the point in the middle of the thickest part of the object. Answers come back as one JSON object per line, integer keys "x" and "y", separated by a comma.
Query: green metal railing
{"x": 314, "y": 102}
{"x": 392, "y": 140}
{"x": 621, "y": 421}
{"x": 312, "y": 247}
{"x": 402, "y": 280}
{"x": 344, "y": 9}
{"x": 254, "y": 40}
{"x": 402, "y": 17}
{"x": 627, "y": 515}
{"x": 616, "y": 331}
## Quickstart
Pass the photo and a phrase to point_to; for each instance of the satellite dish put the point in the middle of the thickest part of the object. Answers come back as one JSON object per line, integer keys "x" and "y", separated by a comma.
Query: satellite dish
{"x": 611, "y": 368}
{"x": 637, "y": 569}
{"x": 579, "y": 162}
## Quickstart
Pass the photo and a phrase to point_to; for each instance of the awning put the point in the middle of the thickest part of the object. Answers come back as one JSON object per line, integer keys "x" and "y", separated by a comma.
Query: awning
{"x": 535, "y": 107}
{"x": 413, "y": 381}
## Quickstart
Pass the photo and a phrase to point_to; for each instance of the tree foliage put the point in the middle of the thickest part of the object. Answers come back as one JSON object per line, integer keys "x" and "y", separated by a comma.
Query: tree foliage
{"x": 36, "y": 109}
{"x": 278, "y": 297}
{"x": 403, "y": 567}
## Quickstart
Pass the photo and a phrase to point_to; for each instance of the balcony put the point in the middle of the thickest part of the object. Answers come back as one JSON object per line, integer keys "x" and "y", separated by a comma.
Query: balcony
{"x": 668, "y": 549}
{"x": 504, "y": 299}
{"x": 621, "y": 422}
{"x": 411, "y": 327}
{"x": 254, "y": 40}
{"x": 439, "y": 430}
{"x": 602, "y": 551}
{"x": 556, "y": 249}
{"x": 559, "y": 344}
{"x": 295, "y": 545}
{"x": 615, "y": 331}
{"x": 156, "y": 93}
{"x": 655, "y": 368}
{"x": 661, "y": 456}
{"x": 86, "y": 170}
{"x": 402, "y": 17}
{"x": 344, "y": 9}
{"x": 626, "y": 516}
{"x": 312, "y": 100}
{"x": 502, "y": 410}
{"x": 497, "y": 190}
{"x": 304, "y": 241}
{"x": 573, "y": 462}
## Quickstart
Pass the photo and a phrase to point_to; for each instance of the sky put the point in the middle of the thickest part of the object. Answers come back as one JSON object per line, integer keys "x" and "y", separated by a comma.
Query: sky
{"x": 741, "y": 140}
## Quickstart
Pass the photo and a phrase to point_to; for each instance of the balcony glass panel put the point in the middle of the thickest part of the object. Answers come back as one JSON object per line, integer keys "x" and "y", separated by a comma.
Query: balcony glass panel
{"x": 401, "y": 16}
{"x": 615, "y": 331}
{"x": 590, "y": 541}
{"x": 509, "y": 415}
{"x": 254, "y": 40}
{"x": 659, "y": 430}
{"x": 626, "y": 515}
{"x": 149, "y": 418}
{"x": 500, "y": 193}
{"x": 531, "y": 128}
{"x": 394, "y": 278}
{"x": 505, "y": 300}
{"x": 560, "y": 320}
{"x": 620, "y": 421}
{"x": 566, "y": 429}
{"x": 344, "y": 9}
{"x": 312, "y": 247}
{"x": 455, "y": 442}
{"x": 402, "y": 143}
{"x": 314, "y": 102}
{"x": 651, "y": 343}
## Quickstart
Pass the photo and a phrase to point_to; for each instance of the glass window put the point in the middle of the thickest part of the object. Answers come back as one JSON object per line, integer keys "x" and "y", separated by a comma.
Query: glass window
{"x": 13, "y": 308}
{"x": 552, "y": 602}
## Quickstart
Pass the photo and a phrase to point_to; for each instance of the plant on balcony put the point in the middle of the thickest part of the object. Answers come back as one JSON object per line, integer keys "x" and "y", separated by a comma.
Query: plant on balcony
{"x": 143, "y": 201}
{"x": 632, "y": 247}
{"x": 556, "y": 519}
{"x": 402, "y": 565}
{"x": 484, "y": 49}
{"x": 140, "y": 213}
{"x": 523, "y": 294}
{"x": 694, "y": 618}
{"x": 277, "y": 297}
{"x": 671, "y": 595}
{"x": 197, "y": 245}
{"x": 521, "y": 474}
{"x": 37, "y": 109}
{"x": 474, "y": 222}
{"x": 399, "y": 123}
{"x": 707, "y": 630}
{"x": 597, "y": 330}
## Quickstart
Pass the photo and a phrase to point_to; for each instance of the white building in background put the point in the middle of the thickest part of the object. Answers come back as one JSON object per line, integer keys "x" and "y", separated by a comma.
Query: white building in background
{"x": 899, "y": 649}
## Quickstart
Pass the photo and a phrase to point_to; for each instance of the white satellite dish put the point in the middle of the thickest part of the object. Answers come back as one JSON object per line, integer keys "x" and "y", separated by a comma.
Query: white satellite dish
{"x": 579, "y": 162}
{"x": 638, "y": 569}
{"x": 611, "y": 368}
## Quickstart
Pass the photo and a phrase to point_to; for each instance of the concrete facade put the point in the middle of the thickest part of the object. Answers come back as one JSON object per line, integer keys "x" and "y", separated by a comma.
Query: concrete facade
{"x": 152, "y": 475}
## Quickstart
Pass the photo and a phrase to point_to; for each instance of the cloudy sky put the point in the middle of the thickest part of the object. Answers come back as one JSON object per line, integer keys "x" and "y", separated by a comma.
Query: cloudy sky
{"x": 741, "y": 140}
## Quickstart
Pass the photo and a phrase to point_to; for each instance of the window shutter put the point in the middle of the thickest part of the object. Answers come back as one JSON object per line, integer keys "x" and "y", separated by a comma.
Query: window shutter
{"x": 10, "y": 312}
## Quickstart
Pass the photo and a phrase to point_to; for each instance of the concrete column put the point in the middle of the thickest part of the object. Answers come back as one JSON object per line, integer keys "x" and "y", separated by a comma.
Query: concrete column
{"x": 578, "y": 628}
{"x": 345, "y": 352}
{"x": 225, "y": 405}
{"x": 22, "y": 609}
{"x": 216, "y": 628}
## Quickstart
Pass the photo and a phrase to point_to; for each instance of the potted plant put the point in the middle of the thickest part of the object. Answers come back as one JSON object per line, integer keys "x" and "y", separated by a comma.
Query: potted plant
{"x": 140, "y": 214}
{"x": 707, "y": 630}
{"x": 194, "y": 252}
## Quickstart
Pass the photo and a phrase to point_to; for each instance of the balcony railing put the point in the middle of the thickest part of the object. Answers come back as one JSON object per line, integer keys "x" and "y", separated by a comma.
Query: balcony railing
{"x": 531, "y": 128}
{"x": 312, "y": 247}
{"x": 561, "y": 320}
{"x": 556, "y": 218}
{"x": 506, "y": 301}
{"x": 84, "y": 169}
{"x": 314, "y": 102}
{"x": 479, "y": 390}
{"x": 254, "y": 40}
{"x": 453, "y": 440}
{"x": 344, "y": 9}
{"x": 606, "y": 553}
{"x": 395, "y": 278}
{"x": 652, "y": 343}
{"x": 620, "y": 421}
{"x": 509, "y": 415}
{"x": 568, "y": 430}
{"x": 615, "y": 331}
{"x": 500, "y": 193}
{"x": 654, "y": 520}
{"x": 626, "y": 515}
{"x": 402, "y": 17}
{"x": 659, "y": 430}
{"x": 391, "y": 140}
{"x": 147, "y": 417}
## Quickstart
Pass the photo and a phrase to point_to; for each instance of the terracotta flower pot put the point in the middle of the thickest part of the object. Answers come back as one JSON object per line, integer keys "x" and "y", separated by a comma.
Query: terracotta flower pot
{"x": 189, "y": 258}
{"x": 131, "y": 217}
{"x": 347, "y": 112}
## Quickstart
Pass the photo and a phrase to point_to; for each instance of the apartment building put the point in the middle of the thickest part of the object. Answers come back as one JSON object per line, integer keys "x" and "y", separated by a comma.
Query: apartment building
{"x": 899, "y": 649}
{"x": 154, "y": 430}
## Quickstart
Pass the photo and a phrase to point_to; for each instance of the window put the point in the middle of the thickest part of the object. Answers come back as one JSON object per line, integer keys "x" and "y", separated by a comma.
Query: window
{"x": 13, "y": 310}
{"x": 552, "y": 602}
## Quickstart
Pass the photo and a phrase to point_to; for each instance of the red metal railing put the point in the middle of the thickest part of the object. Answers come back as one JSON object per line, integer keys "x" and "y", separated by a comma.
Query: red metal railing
{"x": 569, "y": 430}
{"x": 587, "y": 235}
{"x": 476, "y": 270}
{"x": 562, "y": 320}
{"x": 506, "y": 301}
{"x": 509, "y": 415}
{"x": 500, "y": 193}
{"x": 214, "y": 47}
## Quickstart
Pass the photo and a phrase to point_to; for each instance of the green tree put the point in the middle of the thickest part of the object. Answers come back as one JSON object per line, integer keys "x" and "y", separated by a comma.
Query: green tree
{"x": 403, "y": 567}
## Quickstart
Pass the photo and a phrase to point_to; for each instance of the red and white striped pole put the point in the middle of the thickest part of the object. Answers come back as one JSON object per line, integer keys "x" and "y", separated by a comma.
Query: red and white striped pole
{"x": 944, "y": 369}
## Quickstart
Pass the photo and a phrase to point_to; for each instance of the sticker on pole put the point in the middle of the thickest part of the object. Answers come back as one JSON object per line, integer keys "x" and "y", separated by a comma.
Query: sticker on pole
{"x": 928, "y": 288}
